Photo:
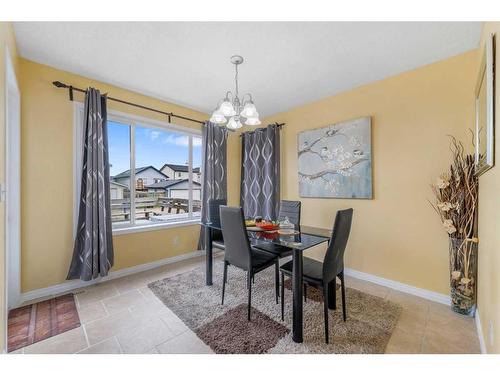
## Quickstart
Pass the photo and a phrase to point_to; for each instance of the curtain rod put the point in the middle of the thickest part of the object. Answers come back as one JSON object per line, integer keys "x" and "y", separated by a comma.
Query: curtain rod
{"x": 251, "y": 131}
{"x": 70, "y": 88}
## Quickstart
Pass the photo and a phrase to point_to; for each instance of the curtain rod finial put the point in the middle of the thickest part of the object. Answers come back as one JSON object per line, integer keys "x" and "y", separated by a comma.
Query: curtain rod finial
{"x": 59, "y": 84}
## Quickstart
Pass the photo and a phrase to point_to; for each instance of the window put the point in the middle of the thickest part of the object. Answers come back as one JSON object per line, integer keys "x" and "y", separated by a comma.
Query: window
{"x": 139, "y": 145}
{"x": 120, "y": 186}
{"x": 197, "y": 173}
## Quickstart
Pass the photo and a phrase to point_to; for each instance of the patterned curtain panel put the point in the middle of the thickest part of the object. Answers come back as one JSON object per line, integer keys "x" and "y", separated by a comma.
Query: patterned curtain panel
{"x": 260, "y": 173}
{"x": 93, "y": 250}
{"x": 214, "y": 172}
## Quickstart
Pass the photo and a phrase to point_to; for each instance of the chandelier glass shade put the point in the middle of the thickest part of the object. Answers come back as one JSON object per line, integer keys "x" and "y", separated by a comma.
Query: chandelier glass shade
{"x": 232, "y": 110}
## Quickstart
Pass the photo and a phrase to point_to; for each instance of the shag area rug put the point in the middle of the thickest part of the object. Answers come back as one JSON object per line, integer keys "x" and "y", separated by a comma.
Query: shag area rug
{"x": 225, "y": 328}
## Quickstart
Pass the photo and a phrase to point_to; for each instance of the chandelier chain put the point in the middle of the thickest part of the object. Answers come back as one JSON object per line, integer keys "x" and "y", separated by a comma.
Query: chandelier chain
{"x": 236, "y": 79}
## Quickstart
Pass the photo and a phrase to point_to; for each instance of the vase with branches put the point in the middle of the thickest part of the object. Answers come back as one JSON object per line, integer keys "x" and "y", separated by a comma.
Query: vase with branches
{"x": 456, "y": 197}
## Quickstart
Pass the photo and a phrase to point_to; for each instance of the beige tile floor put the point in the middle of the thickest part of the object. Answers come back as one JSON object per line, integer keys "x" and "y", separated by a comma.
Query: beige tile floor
{"x": 124, "y": 316}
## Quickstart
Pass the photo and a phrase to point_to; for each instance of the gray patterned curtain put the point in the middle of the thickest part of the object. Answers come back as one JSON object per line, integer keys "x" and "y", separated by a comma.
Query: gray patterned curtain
{"x": 260, "y": 173}
{"x": 93, "y": 250}
{"x": 214, "y": 172}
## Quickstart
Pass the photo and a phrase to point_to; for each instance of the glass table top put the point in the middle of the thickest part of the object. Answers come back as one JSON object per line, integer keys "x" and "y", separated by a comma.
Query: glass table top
{"x": 305, "y": 238}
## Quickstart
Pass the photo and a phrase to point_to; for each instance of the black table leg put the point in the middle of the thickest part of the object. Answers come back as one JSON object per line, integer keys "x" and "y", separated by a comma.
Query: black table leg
{"x": 332, "y": 291}
{"x": 208, "y": 255}
{"x": 297, "y": 296}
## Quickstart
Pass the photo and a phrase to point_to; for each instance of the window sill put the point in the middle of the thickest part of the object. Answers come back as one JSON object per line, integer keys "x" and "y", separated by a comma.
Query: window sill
{"x": 150, "y": 227}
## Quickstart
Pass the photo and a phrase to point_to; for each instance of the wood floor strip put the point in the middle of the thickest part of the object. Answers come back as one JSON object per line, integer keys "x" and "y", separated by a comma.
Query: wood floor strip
{"x": 32, "y": 324}
{"x": 54, "y": 328}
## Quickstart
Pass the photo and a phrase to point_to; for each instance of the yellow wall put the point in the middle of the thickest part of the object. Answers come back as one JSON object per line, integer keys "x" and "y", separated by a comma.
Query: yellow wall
{"x": 396, "y": 235}
{"x": 489, "y": 219}
{"x": 6, "y": 41}
{"x": 47, "y": 179}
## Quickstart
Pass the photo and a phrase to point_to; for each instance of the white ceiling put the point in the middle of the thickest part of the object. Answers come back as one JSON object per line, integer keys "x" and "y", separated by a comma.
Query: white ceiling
{"x": 286, "y": 63}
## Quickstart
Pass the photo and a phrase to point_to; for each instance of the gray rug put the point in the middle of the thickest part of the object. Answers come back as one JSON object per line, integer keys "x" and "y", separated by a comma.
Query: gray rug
{"x": 369, "y": 325}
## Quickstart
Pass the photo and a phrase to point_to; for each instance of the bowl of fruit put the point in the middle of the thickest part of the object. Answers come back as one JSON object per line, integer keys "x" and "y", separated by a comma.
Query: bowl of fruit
{"x": 268, "y": 235}
{"x": 268, "y": 225}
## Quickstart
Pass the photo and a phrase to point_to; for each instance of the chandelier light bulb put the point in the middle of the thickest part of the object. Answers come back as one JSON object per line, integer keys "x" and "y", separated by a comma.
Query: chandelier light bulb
{"x": 218, "y": 118}
{"x": 253, "y": 121}
{"x": 249, "y": 110}
{"x": 227, "y": 108}
{"x": 234, "y": 123}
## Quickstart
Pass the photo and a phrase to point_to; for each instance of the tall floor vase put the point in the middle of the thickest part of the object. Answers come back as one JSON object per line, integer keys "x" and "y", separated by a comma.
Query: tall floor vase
{"x": 463, "y": 275}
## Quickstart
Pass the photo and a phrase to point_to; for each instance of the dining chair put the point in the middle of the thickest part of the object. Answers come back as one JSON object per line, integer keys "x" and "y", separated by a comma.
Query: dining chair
{"x": 240, "y": 254}
{"x": 214, "y": 217}
{"x": 320, "y": 275}
{"x": 290, "y": 209}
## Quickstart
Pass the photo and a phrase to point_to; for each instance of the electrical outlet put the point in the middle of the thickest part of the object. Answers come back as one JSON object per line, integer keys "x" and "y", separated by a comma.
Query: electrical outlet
{"x": 491, "y": 333}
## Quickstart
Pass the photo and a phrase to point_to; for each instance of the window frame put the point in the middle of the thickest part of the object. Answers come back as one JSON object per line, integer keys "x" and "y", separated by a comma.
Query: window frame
{"x": 132, "y": 121}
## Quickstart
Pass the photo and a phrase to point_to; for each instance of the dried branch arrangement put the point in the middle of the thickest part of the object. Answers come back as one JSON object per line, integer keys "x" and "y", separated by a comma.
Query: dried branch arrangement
{"x": 456, "y": 193}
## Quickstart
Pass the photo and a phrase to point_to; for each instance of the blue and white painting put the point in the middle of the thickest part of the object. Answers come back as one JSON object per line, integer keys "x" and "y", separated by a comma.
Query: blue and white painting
{"x": 336, "y": 161}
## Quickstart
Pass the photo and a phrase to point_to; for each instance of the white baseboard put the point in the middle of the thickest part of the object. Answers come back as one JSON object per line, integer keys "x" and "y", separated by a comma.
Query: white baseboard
{"x": 480, "y": 335}
{"x": 419, "y": 292}
{"x": 75, "y": 284}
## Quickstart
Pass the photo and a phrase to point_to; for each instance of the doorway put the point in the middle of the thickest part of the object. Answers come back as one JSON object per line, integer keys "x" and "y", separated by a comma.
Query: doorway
{"x": 12, "y": 185}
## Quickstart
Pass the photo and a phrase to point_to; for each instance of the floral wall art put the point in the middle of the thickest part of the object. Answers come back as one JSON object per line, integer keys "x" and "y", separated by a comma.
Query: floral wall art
{"x": 336, "y": 161}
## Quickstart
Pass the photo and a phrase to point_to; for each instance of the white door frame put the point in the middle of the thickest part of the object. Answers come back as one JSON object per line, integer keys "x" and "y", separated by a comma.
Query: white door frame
{"x": 12, "y": 185}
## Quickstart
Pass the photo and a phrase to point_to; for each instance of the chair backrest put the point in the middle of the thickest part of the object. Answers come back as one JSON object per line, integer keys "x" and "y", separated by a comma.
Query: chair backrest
{"x": 213, "y": 210}
{"x": 290, "y": 209}
{"x": 333, "y": 263}
{"x": 238, "y": 250}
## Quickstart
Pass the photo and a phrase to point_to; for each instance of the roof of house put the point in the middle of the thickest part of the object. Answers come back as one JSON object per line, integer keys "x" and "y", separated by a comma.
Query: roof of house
{"x": 137, "y": 171}
{"x": 180, "y": 168}
{"x": 169, "y": 183}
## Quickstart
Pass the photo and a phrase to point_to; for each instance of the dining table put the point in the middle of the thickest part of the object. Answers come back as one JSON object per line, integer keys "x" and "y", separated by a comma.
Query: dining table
{"x": 302, "y": 239}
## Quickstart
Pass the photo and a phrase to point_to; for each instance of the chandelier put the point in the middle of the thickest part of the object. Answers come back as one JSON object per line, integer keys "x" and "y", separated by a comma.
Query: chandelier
{"x": 234, "y": 111}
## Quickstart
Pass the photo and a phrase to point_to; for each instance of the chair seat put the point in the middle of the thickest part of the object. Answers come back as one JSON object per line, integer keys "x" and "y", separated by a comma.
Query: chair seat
{"x": 280, "y": 251}
{"x": 262, "y": 259}
{"x": 312, "y": 269}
